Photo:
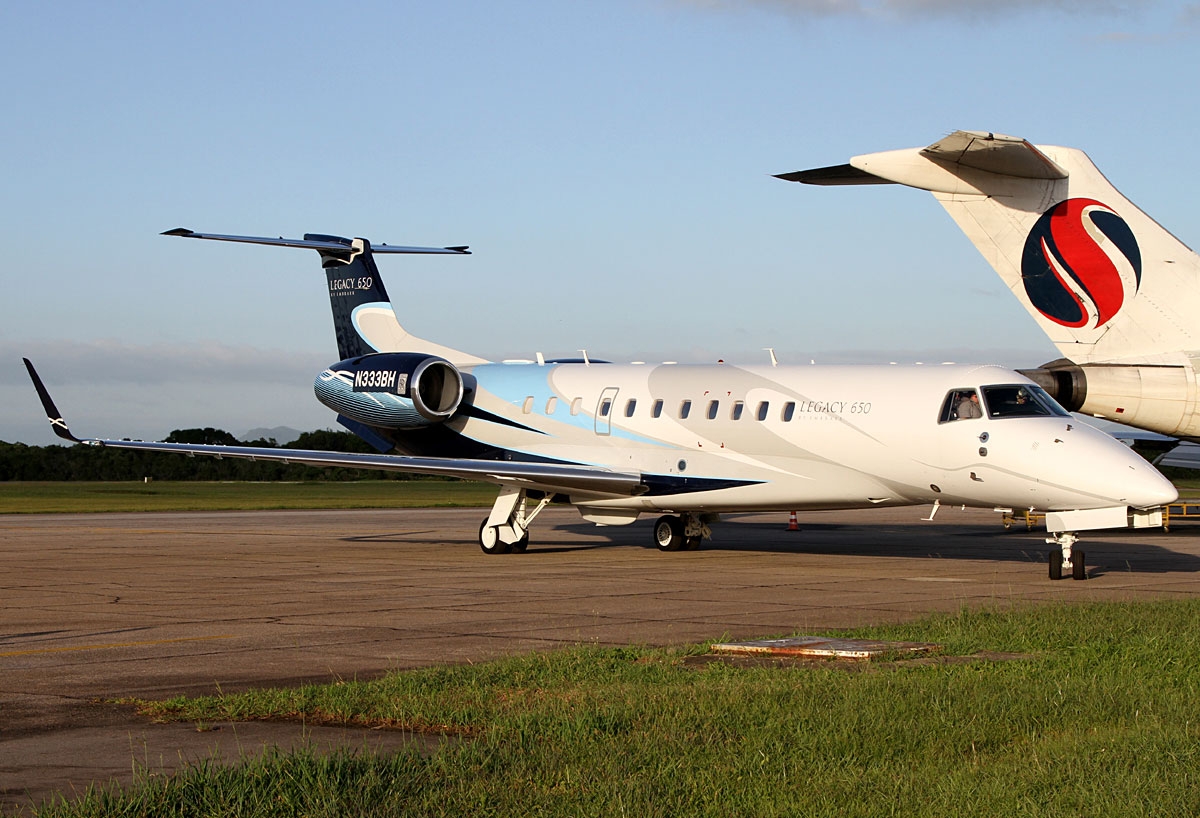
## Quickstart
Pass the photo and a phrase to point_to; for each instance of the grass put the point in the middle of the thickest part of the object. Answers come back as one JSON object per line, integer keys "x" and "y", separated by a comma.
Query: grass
{"x": 1100, "y": 717}
{"x": 86, "y": 496}
{"x": 1189, "y": 487}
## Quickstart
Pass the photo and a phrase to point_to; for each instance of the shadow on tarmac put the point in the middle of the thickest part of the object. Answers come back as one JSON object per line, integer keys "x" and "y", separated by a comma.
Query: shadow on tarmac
{"x": 1106, "y": 551}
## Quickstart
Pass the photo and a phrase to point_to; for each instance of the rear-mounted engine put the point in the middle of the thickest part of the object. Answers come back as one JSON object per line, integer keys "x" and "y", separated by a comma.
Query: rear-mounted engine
{"x": 392, "y": 390}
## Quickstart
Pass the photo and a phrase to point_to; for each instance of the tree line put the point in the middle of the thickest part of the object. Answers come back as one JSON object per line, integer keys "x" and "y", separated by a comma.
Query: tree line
{"x": 79, "y": 462}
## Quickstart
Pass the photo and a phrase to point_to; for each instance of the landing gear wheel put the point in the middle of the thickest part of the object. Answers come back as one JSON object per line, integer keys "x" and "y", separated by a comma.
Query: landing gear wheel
{"x": 1056, "y": 562}
{"x": 489, "y": 540}
{"x": 1078, "y": 569}
{"x": 668, "y": 533}
{"x": 520, "y": 545}
{"x": 692, "y": 544}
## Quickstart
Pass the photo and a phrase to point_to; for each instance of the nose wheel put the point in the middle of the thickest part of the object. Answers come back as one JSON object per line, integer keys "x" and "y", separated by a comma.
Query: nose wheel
{"x": 506, "y": 529}
{"x": 1066, "y": 558}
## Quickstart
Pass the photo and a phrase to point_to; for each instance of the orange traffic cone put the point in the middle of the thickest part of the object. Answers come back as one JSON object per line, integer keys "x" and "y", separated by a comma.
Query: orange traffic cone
{"x": 792, "y": 526}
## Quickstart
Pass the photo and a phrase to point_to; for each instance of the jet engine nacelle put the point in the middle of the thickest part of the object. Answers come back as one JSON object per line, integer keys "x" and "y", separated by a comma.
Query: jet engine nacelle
{"x": 1159, "y": 398}
{"x": 392, "y": 390}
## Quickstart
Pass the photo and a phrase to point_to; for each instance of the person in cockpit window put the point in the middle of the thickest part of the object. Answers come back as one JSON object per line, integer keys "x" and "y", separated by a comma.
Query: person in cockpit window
{"x": 968, "y": 407}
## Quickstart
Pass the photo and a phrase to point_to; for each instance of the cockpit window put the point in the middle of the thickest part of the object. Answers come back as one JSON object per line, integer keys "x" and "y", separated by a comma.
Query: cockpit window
{"x": 960, "y": 404}
{"x": 1020, "y": 401}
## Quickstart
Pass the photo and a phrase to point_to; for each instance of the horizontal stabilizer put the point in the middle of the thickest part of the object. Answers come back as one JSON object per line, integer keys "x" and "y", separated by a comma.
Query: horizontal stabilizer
{"x": 311, "y": 242}
{"x": 833, "y": 175}
{"x": 995, "y": 153}
{"x": 957, "y": 164}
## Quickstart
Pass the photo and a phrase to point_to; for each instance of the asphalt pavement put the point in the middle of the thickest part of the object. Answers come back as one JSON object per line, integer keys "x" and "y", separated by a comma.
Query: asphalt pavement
{"x": 101, "y": 607}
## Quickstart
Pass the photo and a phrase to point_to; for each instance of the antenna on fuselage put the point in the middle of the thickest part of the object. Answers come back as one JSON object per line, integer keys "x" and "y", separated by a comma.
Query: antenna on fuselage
{"x": 771, "y": 352}
{"x": 586, "y": 362}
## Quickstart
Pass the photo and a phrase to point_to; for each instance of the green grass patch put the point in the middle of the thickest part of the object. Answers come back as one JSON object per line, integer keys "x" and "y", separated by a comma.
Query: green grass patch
{"x": 1188, "y": 485}
{"x": 88, "y": 496}
{"x": 1101, "y": 718}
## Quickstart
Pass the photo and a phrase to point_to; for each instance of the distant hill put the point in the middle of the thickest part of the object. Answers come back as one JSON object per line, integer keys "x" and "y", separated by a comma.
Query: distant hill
{"x": 282, "y": 434}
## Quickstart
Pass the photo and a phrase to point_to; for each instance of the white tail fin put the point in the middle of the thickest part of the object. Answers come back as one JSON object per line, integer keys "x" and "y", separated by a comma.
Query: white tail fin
{"x": 1104, "y": 281}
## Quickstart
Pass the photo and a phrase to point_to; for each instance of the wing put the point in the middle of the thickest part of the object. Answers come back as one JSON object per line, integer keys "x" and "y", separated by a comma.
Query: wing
{"x": 549, "y": 477}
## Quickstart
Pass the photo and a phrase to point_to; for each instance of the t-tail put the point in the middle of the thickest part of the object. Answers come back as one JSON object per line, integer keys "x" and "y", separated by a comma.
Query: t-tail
{"x": 364, "y": 319}
{"x": 421, "y": 382}
{"x": 1113, "y": 290}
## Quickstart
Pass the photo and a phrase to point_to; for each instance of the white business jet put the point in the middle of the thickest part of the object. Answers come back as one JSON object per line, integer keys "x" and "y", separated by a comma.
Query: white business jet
{"x": 690, "y": 442}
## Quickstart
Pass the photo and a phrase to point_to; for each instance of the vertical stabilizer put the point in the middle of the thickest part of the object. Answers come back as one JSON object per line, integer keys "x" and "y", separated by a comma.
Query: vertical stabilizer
{"x": 1102, "y": 279}
{"x": 354, "y": 285}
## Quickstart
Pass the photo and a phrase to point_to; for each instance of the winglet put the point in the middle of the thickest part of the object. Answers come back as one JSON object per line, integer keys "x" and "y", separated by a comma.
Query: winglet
{"x": 52, "y": 414}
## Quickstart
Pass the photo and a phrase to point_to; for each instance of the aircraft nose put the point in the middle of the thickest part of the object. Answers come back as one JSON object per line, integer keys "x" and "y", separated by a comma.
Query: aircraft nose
{"x": 1108, "y": 471}
{"x": 1149, "y": 488}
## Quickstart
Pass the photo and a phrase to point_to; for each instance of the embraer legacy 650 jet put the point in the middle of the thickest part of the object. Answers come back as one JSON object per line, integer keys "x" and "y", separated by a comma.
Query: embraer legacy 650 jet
{"x": 1114, "y": 291}
{"x": 690, "y": 442}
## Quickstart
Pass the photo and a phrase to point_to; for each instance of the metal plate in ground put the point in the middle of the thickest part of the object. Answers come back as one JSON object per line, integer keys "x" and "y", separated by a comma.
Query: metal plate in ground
{"x": 825, "y": 647}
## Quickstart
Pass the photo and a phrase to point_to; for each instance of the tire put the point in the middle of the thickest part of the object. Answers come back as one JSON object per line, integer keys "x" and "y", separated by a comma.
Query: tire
{"x": 692, "y": 544}
{"x": 489, "y": 540}
{"x": 1078, "y": 569}
{"x": 668, "y": 533}
{"x": 1055, "y": 565}
{"x": 520, "y": 545}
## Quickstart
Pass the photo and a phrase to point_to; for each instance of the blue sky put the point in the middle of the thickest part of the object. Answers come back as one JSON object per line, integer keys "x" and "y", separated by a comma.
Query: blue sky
{"x": 608, "y": 162}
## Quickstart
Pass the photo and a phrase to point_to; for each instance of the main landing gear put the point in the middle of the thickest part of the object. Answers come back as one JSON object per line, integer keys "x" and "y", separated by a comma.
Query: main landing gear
{"x": 506, "y": 529}
{"x": 682, "y": 533}
{"x": 1066, "y": 557}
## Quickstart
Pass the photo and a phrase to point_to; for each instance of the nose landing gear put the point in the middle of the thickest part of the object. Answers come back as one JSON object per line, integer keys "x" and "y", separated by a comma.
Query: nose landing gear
{"x": 1066, "y": 557}
{"x": 506, "y": 530}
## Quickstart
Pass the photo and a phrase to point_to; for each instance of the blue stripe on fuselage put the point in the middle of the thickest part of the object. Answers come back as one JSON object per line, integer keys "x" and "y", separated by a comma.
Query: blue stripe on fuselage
{"x": 513, "y": 383}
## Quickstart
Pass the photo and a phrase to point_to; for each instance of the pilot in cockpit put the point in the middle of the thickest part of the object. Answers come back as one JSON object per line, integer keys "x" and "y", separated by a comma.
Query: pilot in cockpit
{"x": 968, "y": 406}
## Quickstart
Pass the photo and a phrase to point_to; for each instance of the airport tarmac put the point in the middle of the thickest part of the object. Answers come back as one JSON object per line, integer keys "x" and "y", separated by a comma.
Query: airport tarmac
{"x": 100, "y": 607}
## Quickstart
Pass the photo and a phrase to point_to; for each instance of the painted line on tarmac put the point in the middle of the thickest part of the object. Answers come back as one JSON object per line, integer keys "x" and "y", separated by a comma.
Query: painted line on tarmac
{"x": 116, "y": 645}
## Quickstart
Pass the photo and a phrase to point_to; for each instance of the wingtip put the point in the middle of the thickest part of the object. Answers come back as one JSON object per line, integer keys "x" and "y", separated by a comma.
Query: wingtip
{"x": 178, "y": 231}
{"x": 57, "y": 424}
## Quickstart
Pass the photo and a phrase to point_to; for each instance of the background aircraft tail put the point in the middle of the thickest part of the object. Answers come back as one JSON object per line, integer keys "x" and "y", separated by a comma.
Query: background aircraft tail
{"x": 1104, "y": 281}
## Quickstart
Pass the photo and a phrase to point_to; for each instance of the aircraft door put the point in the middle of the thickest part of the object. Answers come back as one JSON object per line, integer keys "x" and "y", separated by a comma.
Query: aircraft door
{"x": 604, "y": 410}
{"x": 963, "y": 432}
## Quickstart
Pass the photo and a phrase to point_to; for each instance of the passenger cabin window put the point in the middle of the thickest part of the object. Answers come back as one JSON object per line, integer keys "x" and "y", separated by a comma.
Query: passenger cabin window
{"x": 713, "y": 406}
{"x": 527, "y": 406}
{"x": 961, "y": 404}
{"x": 605, "y": 407}
{"x": 736, "y": 412}
{"x": 1020, "y": 401}
{"x": 630, "y": 406}
{"x": 762, "y": 410}
{"x": 551, "y": 405}
{"x": 789, "y": 409}
{"x": 685, "y": 409}
{"x": 656, "y": 411}
{"x": 576, "y": 406}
